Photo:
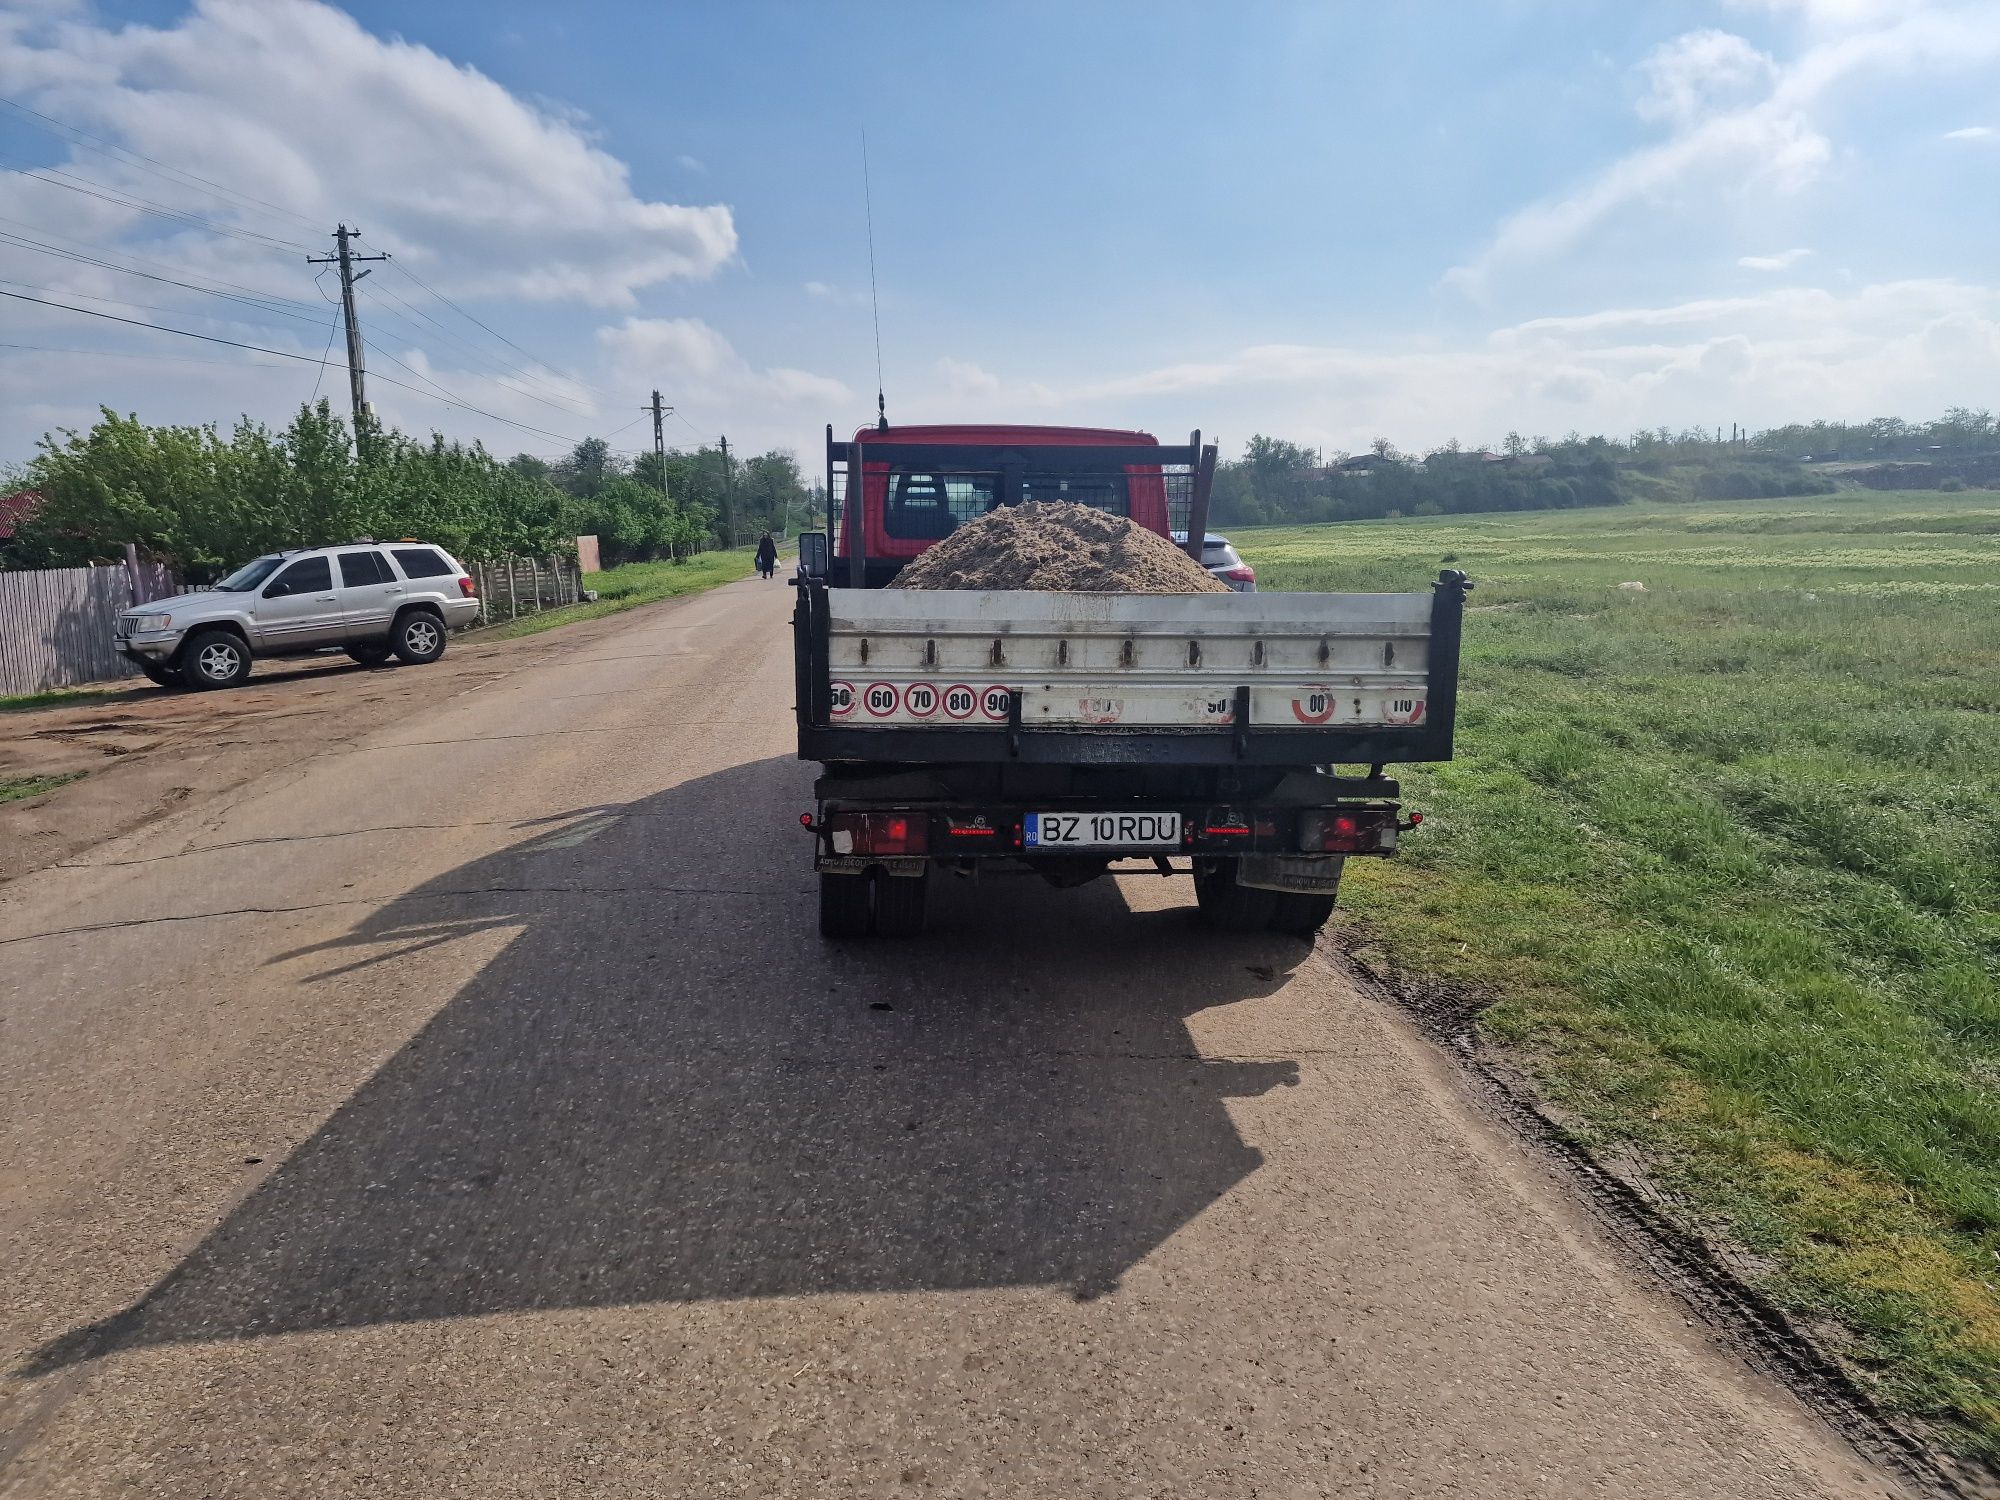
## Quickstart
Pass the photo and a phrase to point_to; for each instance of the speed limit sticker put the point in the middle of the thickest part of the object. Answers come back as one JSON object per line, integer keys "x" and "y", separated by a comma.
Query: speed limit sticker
{"x": 995, "y": 702}
{"x": 840, "y": 699}
{"x": 960, "y": 701}
{"x": 1313, "y": 706}
{"x": 920, "y": 700}
{"x": 1403, "y": 710}
{"x": 880, "y": 699}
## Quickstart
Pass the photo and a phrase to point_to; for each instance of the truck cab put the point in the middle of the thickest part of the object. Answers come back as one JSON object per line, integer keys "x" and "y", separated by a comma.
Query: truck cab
{"x": 919, "y": 484}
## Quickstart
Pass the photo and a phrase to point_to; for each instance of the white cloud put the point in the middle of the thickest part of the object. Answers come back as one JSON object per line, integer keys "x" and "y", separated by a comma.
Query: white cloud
{"x": 1739, "y": 119}
{"x": 838, "y": 296}
{"x": 1695, "y": 74}
{"x": 698, "y": 368}
{"x": 493, "y": 194}
{"x": 1972, "y": 133}
{"x": 693, "y": 164}
{"x": 1784, "y": 260}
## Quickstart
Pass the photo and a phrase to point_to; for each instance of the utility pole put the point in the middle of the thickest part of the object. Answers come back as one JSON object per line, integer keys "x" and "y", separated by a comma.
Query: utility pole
{"x": 660, "y": 415}
{"x": 346, "y": 260}
{"x": 728, "y": 498}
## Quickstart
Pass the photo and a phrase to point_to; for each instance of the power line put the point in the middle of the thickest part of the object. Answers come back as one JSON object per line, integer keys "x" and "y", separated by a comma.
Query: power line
{"x": 575, "y": 408}
{"x": 267, "y": 302}
{"x": 332, "y": 327}
{"x": 552, "y": 369}
{"x": 209, "y": 338}
{"x": 54, "y": 177}
{"x": 126, "y": 156}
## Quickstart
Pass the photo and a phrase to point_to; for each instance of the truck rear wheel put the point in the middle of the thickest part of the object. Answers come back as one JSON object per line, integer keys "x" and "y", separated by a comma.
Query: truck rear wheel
{"x": 843, "y": 906}
{"x": 1300, "y": 914}
{"x": 899, "y": 905}
{"x": 1225, "y": 904}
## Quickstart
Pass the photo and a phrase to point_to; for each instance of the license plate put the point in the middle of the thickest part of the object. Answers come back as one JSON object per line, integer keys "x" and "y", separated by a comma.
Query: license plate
{"x": 1103, "y": 830}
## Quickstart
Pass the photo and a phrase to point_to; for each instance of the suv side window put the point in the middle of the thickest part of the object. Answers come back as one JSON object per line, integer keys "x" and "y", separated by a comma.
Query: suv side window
{"x": 309, "y": 575}
{"x": 358, "y": 568}
{"x": 421, "y": 562}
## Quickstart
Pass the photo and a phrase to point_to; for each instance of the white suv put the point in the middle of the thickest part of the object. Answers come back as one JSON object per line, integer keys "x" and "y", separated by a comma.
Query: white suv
{"x": 369, "y": 599}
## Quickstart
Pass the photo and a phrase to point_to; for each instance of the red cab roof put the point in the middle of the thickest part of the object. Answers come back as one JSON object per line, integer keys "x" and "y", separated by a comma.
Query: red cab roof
{"x": 1054, "y": 437}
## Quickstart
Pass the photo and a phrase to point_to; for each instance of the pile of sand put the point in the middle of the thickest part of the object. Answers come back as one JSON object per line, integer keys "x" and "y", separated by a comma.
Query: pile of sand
{"x": 1061, "y": 547}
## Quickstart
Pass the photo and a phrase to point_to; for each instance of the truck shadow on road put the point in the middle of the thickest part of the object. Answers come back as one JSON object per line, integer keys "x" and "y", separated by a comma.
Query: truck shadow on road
{"x": 665, "y": 1087}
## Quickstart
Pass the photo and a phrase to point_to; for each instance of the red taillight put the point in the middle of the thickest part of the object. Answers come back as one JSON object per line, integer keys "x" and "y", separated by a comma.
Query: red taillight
{"x": 1348, "y": 830}
{"x": 465, "y": 587}
{"x": 1241, "y": 573}
{"x": 879, "y": 833}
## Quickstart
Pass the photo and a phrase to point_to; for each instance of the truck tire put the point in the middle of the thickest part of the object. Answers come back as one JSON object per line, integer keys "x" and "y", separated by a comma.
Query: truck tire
{"x": 1227, "y": 906}
{"x": 1300, "y": 914}
{"x": 214, "y": 659}
{"x": 843, "y": 906}
{"x": 899, "y": 905}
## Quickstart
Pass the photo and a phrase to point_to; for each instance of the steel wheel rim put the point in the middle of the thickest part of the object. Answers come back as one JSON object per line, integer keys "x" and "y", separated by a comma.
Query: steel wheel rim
{"x": 217, "y": 661}
{"x": 422, "y": 635}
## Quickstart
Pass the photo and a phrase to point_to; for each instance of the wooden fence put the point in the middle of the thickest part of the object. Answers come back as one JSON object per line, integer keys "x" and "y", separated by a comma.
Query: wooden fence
{"x": 510, "y": 587}
{"x": 56, "y": 623}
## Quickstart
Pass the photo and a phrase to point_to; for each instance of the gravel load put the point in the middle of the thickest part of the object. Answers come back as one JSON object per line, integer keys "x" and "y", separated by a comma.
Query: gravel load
{"x": 1060, "y": 547}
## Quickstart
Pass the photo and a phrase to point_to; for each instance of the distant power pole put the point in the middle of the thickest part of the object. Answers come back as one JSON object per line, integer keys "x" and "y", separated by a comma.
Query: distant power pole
{"x": 346, "y": 260}
{"x": 660, "y": 415}
{"x": 728, "y": 498}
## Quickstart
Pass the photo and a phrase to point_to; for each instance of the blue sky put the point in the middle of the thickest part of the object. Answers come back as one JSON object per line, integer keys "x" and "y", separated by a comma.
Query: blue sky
{"x": 1327, "y": 221}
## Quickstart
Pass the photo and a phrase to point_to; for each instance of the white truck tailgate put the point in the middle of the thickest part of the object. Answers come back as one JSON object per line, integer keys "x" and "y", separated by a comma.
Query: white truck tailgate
{"x": 898, "y": 658}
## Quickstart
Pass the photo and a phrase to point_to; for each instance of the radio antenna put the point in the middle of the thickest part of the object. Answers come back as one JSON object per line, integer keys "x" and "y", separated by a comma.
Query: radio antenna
{"x": 874, "y": 297}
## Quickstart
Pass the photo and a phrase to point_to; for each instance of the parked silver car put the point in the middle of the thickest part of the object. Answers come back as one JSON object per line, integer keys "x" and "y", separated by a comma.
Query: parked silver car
{"x": 1224, "y": 563}
{"x": 371, "y": 599}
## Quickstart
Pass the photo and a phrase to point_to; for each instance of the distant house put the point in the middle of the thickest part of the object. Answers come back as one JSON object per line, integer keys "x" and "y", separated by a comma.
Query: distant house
{"x": 1527, "y": 460}
{"x": 1362, "y": 463}
{"x": 16, "y": 508}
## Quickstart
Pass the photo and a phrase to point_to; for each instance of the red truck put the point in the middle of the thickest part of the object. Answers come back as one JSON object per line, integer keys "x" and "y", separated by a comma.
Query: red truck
{"x": 1066, "y": 735}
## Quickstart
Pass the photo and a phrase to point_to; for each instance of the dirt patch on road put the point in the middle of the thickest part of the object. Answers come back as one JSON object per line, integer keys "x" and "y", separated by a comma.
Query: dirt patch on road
{"x": 1061, "y": 547}
{"x": 145, "y": 751}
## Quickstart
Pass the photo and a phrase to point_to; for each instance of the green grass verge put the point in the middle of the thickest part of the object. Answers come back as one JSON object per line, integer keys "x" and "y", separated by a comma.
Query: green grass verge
{"x": 62, "y": 697}
{"x": 630, "y": 586}
{"x": 16, "y": 788}
{"x": 1725, "y": 855}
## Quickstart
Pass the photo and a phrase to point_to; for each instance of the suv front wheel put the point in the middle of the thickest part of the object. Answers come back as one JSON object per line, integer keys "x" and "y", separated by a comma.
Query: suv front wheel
{"x": 214, "y": 659}
{"x": 418, "y": 637}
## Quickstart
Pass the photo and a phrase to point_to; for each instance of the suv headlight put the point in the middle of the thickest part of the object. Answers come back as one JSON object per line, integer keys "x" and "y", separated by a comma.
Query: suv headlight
{"x": 141, "y": 624}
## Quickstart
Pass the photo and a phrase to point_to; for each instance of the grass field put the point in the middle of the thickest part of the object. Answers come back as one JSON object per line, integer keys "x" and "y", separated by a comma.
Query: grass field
{"x": 631, "y": 585}
{"x": 1724, "y": 855}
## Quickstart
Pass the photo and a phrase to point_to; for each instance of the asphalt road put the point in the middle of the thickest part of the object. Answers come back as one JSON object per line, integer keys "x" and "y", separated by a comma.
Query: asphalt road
{"x": 470, "y": 1108}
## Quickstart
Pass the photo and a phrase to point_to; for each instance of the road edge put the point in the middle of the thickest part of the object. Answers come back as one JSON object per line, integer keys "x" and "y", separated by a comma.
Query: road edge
{"x": 1692, "y": 1269}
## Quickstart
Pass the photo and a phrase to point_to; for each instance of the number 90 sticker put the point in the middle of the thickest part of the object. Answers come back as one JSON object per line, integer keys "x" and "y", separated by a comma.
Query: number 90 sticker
{"x": 995, "y": 702}
{"x": 840, "y": 699}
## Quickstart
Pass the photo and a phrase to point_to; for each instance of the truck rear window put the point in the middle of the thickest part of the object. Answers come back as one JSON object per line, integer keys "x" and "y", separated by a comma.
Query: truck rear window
{"x": 928, "y": 507}
{"x": 925, "y": 507}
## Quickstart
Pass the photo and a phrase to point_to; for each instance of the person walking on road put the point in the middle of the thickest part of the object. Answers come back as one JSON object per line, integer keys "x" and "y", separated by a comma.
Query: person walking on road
{"x": 767, "y": 556}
